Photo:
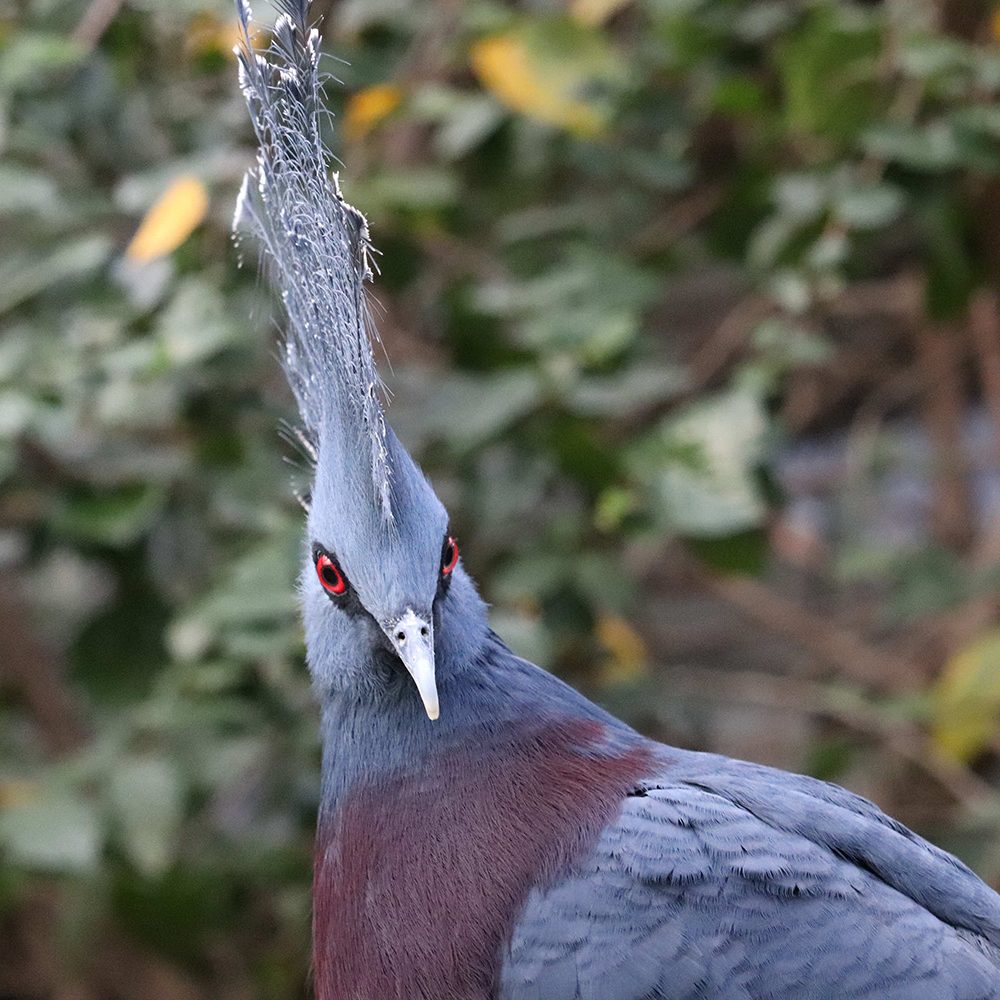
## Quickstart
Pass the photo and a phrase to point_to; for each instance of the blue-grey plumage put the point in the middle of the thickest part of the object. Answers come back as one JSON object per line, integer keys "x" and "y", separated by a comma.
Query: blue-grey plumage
{"x": 526, "y": 845}
{"x": 729, "y": 881}
{"x": 317, "y": 243}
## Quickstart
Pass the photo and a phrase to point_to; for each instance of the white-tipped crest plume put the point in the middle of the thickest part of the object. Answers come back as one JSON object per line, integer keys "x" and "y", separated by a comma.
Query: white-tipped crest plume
{"x": 317, "y": 243}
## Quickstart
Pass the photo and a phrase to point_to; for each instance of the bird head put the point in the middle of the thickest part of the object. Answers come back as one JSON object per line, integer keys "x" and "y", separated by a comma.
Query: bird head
{"x": 374, "y": 590}
{"x": 381, "y": 567}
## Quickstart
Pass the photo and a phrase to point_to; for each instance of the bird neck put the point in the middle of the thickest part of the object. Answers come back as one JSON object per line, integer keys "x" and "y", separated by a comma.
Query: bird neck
{"x": 373, "y": 721}
{"x": 489, "y": 698}
{"x": 432, "y": 835}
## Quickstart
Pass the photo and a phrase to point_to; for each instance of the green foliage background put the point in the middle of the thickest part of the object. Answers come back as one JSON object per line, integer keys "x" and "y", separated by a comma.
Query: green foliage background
{"x": 691, "y": 306}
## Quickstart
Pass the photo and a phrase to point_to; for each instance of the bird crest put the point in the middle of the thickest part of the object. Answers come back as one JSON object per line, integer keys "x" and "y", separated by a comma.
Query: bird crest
{"x": 317, "y": 244}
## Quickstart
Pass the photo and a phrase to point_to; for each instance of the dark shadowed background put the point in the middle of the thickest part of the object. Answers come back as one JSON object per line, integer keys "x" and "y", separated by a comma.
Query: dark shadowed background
{"x": 692, "y": 311}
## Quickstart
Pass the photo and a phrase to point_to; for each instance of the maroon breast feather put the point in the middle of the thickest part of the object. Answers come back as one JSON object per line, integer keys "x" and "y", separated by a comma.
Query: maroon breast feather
{"x": 420, "y": 877}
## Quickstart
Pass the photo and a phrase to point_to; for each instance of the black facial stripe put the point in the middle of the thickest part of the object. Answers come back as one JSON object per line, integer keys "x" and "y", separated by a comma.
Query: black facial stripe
{"x": 348, "y": 601}
{"x": 444, "y": 581}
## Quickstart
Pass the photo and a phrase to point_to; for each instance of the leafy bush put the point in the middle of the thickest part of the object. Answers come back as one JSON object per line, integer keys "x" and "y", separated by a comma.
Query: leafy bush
{"x": 673, "y": 289}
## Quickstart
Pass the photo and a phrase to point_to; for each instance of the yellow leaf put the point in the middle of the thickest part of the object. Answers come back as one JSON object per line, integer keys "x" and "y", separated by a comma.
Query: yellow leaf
{"x": 209, "y": 35}
{"x": 368, "y": 107}
{"x": 506, "y": 67}
{"x": 965, "y": 702}
{"x": 995, "y": 24}
{"x": 595, "y": 12}
{"x": 15, "y": 793}
{"x": 176, "y": 214}
{"x": 627, "y": 651}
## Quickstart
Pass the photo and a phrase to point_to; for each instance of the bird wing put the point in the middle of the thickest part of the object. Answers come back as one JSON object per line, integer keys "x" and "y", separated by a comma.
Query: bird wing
{"x": 728, "y": 881}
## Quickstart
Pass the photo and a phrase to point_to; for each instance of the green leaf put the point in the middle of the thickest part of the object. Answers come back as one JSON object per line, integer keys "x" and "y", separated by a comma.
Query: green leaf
{"x": 195, "y": 324}
{"x": 801, "y": 197}
{"x": 829, "y": 74}
{"x": 23, "y": 277}
{"x": 869, "y": 207}
{"x": 934, "y": 56}
{"x": 965, "y": 702}
{"x": 463, "y": 410}
{"x": 56, "y": 831}
{"x": 951, "y": 273}
{"x": 146, "y": 798}
{"x": 930, "y": 148}
{"x": 420, "y": 189}
{"x": 626, "y": 392}
{"x": 700, "y": 465}
{"x": 26, "y": 191}
{"x": 116, "y": 518}
{"x": 32, "y": 56}
{"x": 256, "y": 588}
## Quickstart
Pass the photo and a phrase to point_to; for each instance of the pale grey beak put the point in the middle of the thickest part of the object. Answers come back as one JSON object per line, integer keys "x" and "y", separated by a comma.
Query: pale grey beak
{"x": 413, "y": 639}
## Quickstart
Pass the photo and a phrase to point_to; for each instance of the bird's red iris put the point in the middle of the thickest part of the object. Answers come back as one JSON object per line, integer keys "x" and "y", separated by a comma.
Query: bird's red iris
{"x": 329, "y": 575}
{"x": 449, "y": 560}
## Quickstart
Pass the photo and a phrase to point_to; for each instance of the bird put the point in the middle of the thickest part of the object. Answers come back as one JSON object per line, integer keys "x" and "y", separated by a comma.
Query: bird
{"x": 484, "y": 831}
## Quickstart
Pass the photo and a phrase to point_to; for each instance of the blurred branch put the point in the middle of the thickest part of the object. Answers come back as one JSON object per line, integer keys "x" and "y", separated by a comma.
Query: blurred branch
{"x": 789, "y": 694}
{"x": 96, "y": 20}
{"x": 679, "y": 219}
{"x": 36, "y": 673}
{"x": 939, "y": 351}
{"x": 984, "y": 327}
{"x": 725, "y": 341}
{"x": 968, "y": 621}
{"x": 900, "y": 295}
{"x": 838, "y": 647}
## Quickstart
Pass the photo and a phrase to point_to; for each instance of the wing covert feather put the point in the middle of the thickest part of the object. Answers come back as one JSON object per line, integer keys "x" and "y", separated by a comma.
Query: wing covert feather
{"x": 690, "y": 895}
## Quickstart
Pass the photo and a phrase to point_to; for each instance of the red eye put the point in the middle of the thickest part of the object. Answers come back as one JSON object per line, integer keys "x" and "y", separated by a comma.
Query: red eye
{"x": 329, "y": 575}
{"x": 449, "y": 558}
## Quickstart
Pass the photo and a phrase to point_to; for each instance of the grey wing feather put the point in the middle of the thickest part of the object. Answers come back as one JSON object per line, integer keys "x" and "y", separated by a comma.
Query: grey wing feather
{"x": 317, "y": 243}
{"x": 699, "y": 892}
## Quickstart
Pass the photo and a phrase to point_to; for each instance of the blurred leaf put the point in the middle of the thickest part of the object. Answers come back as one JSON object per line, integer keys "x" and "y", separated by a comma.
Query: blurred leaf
{"x": 699, "y": 466}
{"x": 22, "y": 277}
{"x": 627, "y": 654}
{"x": 196, "y": 324}
{"x": 524, "y": 633}
{"x": 147, "y": 802}
{"x": 254, "y": 588}
{"x": 828, "y": 73}
{"x": 30, "y": 56}
{"x": 469, "y": 122}
{"x": 170, "y": 221}
{"x": 210, "y": 35}
{"x": 927, "y": 581}
{"x": 802, "y": 197}
{"x": 951, "y": 272}
{"x": 408, "y": 190}
{"x": 965, "y": 701}
{"x": 785, "y": 346}
{"x": 23, "y": 190}
{"x": 930, "y": 148}
{"x": 595, "y": 12}
{"x": 368, "y": 107}
{"x": 626, "y": 392}
{"x": 55, "y": 831}
{"x": 930, "y": 55}
{"x": 744, "y": 552}
{"x": 114, "y": 518}
{"x": 548, "y": 70}
{"x": 869, "y": 207}
{"x": 464, "y": 410}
